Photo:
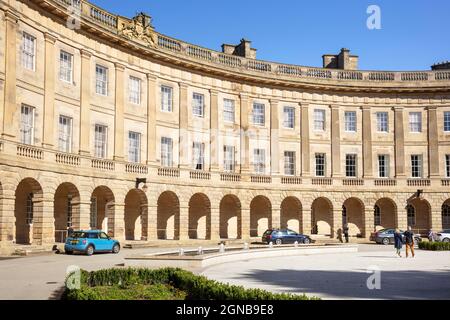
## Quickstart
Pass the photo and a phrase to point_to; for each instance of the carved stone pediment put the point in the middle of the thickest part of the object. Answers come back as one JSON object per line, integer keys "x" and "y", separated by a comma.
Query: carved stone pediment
{"x": 140, "y": 28}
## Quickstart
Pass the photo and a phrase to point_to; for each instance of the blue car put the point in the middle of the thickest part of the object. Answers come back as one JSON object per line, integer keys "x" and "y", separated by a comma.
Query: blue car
{"x": 90, "y": 242}
{"x": 283, "y": 236}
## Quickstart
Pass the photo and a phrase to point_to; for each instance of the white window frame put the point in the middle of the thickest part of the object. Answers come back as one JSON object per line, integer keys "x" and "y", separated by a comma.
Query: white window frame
{"x": 101, "y": 80}
{"x": 416, "y": 166}
{"x": 288, "y": 117}
{"x": 229, "y": 111}
{"x": 229, "y": 158}
{"x": 135, "y": 90}
{"x": 349, "y": 165}
{"x": 166, "y": 155}
{"x": 198, "y": 156}
{"x": 319, "y": 118}
{"x": 134, "y": 147}
{"x": 318, "y": 157}
{"x": 289, "y": 163}
{"x": 28, "y": 51}
{"x": 27, "y": 127}
{"x": 415, "y": 122}
{"x": 259, "y": 114}
{"x": 198, "y": 105}
{"x": 383, "y": 122}
{"x": 383, "y": 165}
{"x": 259, "y": 161}
{"x": 166, "y": 98}
{"x": 350, "y": 120}
{"x": 101, "y": 141}
{"x": 411, "y": 215}
{"x": 377, "y": 215}
{"x": 66, "y": 66}
{"x": 447, "y": 165}
{"x": 446, "y": 121}
{"x": 65, "y": 133}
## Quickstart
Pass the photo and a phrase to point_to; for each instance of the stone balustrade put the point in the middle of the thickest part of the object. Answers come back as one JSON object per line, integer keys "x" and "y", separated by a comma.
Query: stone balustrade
{"x": 385, "y": 182}
{"x": 261, "y": 179}
{"x": 169, "y": 172}
{"x": 291, "y": 180}
{"x": 68, "y": 159}
{"x": 102, "y": 164}
{"x": 200, "y": 175}
{"x": 136, "y": 168}
{"x": 322, "y": 181}
{"x": 30, "y": 152}
{"x": 419, "y": 182}
{"x": 230, "y": 177}
{"x": 352, "y": 182}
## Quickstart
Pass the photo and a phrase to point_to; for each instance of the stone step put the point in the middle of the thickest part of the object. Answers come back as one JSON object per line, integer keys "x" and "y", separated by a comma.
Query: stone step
{"x": 179, "y": 243}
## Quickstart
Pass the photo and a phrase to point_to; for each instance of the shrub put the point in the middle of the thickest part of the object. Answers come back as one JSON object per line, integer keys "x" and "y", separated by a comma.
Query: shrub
{"x": 196, "y": 287}
{"x": 434, "y": 246}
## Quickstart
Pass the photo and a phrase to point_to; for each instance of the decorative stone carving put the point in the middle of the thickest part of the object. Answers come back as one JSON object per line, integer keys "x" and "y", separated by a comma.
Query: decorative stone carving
{"x": 140, "y": 28}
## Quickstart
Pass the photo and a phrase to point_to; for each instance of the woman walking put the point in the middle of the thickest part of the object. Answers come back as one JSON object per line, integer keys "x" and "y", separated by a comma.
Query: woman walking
{"x": 398, "y": 242}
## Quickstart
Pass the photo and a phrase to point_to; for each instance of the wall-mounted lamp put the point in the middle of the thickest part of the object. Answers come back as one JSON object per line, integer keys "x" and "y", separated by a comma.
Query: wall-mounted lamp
{"x": 419, "y": 194}
{"x": 139, "y": 181}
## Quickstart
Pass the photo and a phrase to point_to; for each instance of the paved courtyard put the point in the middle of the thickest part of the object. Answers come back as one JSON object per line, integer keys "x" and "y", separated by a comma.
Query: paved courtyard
{"x": 341, "y": 276}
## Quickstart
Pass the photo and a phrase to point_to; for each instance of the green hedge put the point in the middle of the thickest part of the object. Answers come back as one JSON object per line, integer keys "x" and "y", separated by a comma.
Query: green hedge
{"x": 434, "y": 246}
{"x": 196, "y": 287}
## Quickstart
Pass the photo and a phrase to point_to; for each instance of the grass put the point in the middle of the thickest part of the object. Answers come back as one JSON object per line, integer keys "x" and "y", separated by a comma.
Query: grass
{"x": 139, "y": 292}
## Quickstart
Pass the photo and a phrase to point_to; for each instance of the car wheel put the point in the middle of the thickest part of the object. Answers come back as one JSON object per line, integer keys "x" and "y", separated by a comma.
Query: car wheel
{"x": 90, "y": 250}
{"x": 69, "y": 252}
{"x": 116, "y": 248}
{"x": 279, "y": 241}
{"x": 447, "y": 240}
{"x": 306, "y": 241}
{"x": 386, "y": 241}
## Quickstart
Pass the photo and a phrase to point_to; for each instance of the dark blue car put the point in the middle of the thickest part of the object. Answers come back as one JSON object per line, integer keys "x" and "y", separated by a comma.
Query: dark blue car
{"x": 284, "y": 236}
{"x": 90, "y": 242}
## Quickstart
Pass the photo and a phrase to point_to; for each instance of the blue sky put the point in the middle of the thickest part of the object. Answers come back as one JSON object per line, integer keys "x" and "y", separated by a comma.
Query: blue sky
{"x": 414, "y": 35}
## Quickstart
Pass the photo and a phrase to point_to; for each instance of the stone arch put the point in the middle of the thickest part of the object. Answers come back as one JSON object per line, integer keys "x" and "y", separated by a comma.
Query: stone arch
{"x": 27, "y": 207}
{"x": 421, "y": 222}
{"x": 322, "y": 216}
{"x": 168, "y": 216}
{"x": 353, "y": 214}
{"x": 260, "y": 215}
{"x": 66, "y": 209}
{"x": 199, "y": 217}
{"x": 387, "y": 214}
{"x": 445, "y": 214}
{"x": 291, "y": 214}
{"x": 136, "y": 215}
{"x": 102, "y": 209}
{"x": 230, "y": 217}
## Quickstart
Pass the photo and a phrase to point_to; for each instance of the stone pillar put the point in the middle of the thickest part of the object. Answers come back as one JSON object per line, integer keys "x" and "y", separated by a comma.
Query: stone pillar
{"x": 367, "y": 141}
{"x": 399, "y": 143}
{"x": 43, "y": 221}
{"x": 436, "y": 218}
{"x": 276, "y": 217}
{"x": 369, "y": 222}
{"x": 402, "y": 217}
{"x": 48, "y": 139}
{"x": 335, "y": 142}
{"x": 215, "y": 223}
{"x": 184, "y": 223}
{"x": 85, "y": 103}
{"x": 81, "y": 215}
{"x": 119, "y": 111}
{"x": 337, "y": 221}
{"x": 214, "y": 131}
{"x": 274, "y": 137}
{"x": 152, "y": 212}
{"x": 7, "y": 219}
{"x": 245, "y": 224}
{"x": 184, "y": 119}
{"x": 151, "y": 119}
{"x": 245, "y": 143}
{"x": 7, "y": 125}
{"x": 433, "y": 145}
{"x": 305, "y": 226}
{"x": 306, "y": 170}
{"x": 116, "y": 220}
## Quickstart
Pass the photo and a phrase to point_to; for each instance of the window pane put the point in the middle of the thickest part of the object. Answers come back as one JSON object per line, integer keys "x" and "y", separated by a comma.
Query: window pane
{"x": 166, "y": 98}
{"x": 229, "y": 152}
{"x": 26, "y": 124}
{"x": 447, "y": 165}
{"x": 28, "y": 51}
{"x": 415, "y": 121}
{"x": 134, "y": 147}
{"x": 259, "y": 157}
{"x": 65, "y": 66}
{"x": 383, "y": 166}
{"x": 289, "y": 117}
{"x": 228, "y": 110}
{"x": 382, "y": 122}
{"x": 166, "y": 152}
{"x": 198, "y": 156}
{"x": 320, "y": 164}
{"x": 350, "y": 121}
{"x": 135, "y": 90}
{"x": 101, "y": 80}
{"x": 319, "y": 120}
{"x": 197, "y": 104}
{"x": 259, "y": 114}
{"x": 289, "y": 163}
{"x": 350, "y": 165}
{"x": 65, "y": 134}
{"x": 100, "y": 141}
{"x": 447, "y": 121}
{"x": 416, "y": 166}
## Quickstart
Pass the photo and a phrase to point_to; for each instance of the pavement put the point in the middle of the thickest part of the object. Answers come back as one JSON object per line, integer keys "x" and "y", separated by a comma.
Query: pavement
{"x": 343, "y": 276}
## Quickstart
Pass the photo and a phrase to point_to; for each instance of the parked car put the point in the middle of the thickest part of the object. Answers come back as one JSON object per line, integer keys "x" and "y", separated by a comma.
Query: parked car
{"x": 443, "y": 236}
{"x": 386, "y": 236}
{"x": 282, "y": 236}
{"x": 90, "y": 242}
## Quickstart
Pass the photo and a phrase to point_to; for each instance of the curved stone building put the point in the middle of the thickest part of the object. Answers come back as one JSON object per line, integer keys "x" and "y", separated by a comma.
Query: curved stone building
{"x": 106, "y": 123}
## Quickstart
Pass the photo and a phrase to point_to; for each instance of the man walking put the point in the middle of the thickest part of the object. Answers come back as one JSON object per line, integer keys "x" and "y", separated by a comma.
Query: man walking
{"x": 409, "y": 241}
{"x": 346, "y": 232}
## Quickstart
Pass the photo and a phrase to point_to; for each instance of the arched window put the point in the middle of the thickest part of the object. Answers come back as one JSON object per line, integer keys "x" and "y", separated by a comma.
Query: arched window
{"x": 30, "y": 209}
{"x": 377, "y": 215}
{"x": 446, "y": 216}
{"x": 411, "y": 215}
{"x": 344, "y": 215}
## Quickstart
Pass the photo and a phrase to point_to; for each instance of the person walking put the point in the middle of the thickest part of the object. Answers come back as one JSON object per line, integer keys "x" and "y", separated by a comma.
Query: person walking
{"x": 345, "y": 228}
{"x": 409, "y": 241}
{"x": 398, "y": 242}
{"x": 431, "y": 236}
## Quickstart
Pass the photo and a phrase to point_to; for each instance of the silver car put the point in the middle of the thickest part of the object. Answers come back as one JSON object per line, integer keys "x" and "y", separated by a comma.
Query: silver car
{"x": 443, "y": 236}
{"x": 386, "y": 236}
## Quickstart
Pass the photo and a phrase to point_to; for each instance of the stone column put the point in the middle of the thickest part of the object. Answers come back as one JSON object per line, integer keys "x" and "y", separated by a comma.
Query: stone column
{"x": 152, "y": 212}
{"x": 43, "y": 221}
{"x": 245, "y": 143}
{"x": 184, "y": 119}
{"x": 215, "y": 223}
{"x": 436, "y": 218}
{"x": 151, "y": 119}
{"x": 306, "y": 170}
{"x": 116, "y": 220}
{"x": 85, "y": 103}
{"x": 367, "y": 141}
{"x": 335, "y": 142}
{"x": 184, "y": 222}
{"x": 81, "y": 215}
{"x": 49, "y": 91}
{"x": 433, "y": 145}
{"x": 7, "y": 203}
{"x": 274, "y": 137}
{"x": 245, "y": 224}
{"x": 306, "y": 221}
{"x": 276, "y": 217}
{"x": 399, "y": 143}
{"x": 7, "y": 125}
{"x": 402, "y": 217}
{"x": 214, "y": 131}
{"x": 337, "y": 221}
{"x": 369, "y": 222}
{"x": 119, "y": 111}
